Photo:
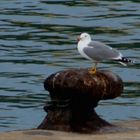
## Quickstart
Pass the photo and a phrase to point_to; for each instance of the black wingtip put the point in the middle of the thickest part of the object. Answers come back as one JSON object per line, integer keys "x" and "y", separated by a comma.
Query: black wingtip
{"x": 126, "y": 60}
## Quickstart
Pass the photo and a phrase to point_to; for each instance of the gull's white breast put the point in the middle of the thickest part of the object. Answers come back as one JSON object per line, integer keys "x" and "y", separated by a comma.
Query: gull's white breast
{"x": 81, "y": 46}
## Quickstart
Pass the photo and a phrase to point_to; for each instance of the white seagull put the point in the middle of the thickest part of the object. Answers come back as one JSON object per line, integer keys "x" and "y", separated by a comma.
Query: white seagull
{"x": 98, "y": 51}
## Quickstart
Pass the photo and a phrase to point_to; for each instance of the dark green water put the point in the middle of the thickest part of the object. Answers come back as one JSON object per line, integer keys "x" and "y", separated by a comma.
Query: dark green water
{"x": 38, "y": 37}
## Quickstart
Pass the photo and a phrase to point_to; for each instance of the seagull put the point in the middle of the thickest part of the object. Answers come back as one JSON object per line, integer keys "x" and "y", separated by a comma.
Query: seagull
{"x": 97, "y": 52}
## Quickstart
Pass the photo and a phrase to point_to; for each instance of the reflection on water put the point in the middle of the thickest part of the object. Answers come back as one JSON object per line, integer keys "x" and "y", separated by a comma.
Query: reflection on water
{"x": 38, "y": 38}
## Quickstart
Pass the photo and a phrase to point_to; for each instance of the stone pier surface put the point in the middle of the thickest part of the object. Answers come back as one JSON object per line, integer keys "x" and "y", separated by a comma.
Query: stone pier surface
{"x": 74, "y": 94}
{"x": 129, "y": 130}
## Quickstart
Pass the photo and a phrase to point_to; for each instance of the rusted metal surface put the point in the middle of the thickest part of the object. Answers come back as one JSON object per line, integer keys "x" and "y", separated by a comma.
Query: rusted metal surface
{"x": 74, "y": 95}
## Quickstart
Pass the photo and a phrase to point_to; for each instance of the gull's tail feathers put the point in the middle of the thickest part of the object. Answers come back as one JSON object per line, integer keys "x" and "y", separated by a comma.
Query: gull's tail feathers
{"x": 125, "y": 61}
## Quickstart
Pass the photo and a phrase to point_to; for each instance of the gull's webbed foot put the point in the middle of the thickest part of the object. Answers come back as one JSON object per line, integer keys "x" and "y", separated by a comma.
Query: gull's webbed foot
{"x": 92, "y": 71}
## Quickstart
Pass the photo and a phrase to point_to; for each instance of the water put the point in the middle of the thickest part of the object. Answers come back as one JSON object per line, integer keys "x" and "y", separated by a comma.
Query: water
{"x": 38, "y": 37}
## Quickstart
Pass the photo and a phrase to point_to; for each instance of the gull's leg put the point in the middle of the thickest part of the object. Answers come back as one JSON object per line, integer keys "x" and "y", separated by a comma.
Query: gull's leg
{"x": 93, "y": 69}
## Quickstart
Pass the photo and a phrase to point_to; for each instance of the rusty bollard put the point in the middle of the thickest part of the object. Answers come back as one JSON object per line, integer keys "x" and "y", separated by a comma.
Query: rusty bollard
{"x": 74, "y": 94}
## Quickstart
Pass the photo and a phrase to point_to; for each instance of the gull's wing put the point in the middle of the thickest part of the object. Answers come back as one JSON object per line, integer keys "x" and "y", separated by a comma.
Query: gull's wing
{"x": 99, "y": 51}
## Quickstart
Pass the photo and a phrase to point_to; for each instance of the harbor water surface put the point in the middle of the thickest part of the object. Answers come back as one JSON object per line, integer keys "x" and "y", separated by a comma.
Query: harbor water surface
{"x": 38, "y": 38}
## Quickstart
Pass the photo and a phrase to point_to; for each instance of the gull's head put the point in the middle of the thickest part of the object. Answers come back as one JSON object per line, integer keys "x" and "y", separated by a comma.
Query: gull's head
{"x": 84, "y": 37}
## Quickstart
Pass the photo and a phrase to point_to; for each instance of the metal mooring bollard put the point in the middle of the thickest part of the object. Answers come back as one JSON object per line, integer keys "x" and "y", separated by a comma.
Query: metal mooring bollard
{"x": 74, "y": 95}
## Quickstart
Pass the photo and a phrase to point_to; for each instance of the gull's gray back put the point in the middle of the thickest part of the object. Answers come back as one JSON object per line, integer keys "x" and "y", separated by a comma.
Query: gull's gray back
{"x": 99, "y": 51}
